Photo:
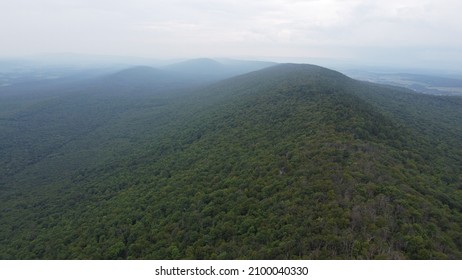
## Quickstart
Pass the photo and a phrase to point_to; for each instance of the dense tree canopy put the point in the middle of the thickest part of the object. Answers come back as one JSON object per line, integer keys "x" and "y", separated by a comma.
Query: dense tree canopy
{"x": 293, "y": 161}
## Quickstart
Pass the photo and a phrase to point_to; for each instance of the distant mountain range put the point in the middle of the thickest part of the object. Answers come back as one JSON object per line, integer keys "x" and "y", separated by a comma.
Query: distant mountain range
{"x": 209, "y": 69}
{"x": 229, "y": 160}
{"x": 170, "y": 76}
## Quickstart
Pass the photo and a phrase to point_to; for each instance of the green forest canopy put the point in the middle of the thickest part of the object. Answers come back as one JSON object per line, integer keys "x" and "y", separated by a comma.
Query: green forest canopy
{"x": 292, "y": 161}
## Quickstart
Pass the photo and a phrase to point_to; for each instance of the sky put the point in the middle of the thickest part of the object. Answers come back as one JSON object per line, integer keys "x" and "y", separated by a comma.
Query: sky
{"x": 412, "y": 33}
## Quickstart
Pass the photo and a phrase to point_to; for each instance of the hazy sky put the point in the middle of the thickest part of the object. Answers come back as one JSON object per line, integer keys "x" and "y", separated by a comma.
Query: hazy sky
{"x": 389, "y": 32}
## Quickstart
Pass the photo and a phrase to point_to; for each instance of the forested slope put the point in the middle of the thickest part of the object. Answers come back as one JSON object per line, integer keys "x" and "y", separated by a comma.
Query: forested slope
{"x": 292, "y": 161}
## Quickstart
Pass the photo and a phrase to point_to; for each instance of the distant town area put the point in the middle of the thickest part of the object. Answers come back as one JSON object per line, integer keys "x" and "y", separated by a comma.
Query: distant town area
{"x": 428, "y": 84}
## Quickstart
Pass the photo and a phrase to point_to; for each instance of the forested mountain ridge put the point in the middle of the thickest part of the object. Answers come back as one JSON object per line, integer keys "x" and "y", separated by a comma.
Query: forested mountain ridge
{"x": 292, "y": 161}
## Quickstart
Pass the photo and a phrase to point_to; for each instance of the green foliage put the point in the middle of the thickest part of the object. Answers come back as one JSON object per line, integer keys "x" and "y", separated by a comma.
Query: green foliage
{"x": 290, "y": 162}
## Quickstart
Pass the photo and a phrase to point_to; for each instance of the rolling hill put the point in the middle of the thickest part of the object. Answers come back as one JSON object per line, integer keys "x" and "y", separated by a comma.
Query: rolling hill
{"x": 291, "y": 161}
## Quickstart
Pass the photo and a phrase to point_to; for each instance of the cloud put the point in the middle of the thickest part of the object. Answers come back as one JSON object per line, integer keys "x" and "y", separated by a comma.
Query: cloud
{"x": 344, "y": 29}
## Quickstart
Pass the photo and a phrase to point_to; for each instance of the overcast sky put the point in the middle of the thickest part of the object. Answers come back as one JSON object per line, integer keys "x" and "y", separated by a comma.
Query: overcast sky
{"x": 414, "y": 33}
